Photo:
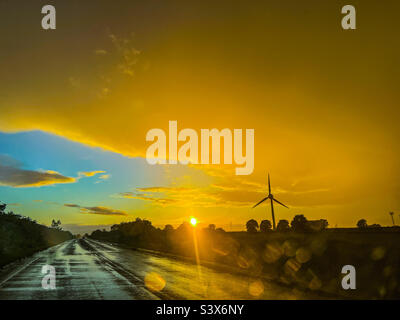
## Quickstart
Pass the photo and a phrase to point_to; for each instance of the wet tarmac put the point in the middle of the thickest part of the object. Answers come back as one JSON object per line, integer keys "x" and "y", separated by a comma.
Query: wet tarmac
{"x": 87, "y": 269}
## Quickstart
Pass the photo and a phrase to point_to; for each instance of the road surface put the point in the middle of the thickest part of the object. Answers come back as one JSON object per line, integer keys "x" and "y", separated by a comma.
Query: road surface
{"x": 87, "y": 269}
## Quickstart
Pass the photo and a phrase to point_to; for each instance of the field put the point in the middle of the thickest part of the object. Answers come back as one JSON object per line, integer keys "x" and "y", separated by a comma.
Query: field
{"x": 306, "y": 261}
{"x": 315, "y": 260}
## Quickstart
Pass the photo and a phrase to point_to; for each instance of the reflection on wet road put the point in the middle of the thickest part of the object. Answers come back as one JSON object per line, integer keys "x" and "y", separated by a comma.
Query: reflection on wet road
{"x": 87, "y": 269}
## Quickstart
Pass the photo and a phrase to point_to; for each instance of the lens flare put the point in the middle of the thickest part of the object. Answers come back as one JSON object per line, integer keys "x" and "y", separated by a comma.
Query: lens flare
{"x": 154, "y": 281}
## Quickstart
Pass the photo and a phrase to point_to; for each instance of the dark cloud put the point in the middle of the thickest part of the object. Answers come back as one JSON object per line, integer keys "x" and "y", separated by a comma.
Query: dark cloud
{"x": 103, "y": 211}
{"x": 12, "y": 175}
{"x": 97, "y": 210}
{"x": 71, "y": 205}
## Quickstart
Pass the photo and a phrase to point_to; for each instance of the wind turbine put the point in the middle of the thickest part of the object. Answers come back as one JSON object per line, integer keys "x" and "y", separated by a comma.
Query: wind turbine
{"x": 271, "y": 197}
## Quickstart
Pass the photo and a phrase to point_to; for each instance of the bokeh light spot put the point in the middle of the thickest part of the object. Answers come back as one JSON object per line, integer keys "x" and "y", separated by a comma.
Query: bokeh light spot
{"x": 303, "y": 255}
{"x": 378, "y": 253}
{"x": 291, "y": 267}
{"x": 289, "y": 248}
{"x": 154, "y": 281}
{"x": 256, "y": 288}
{"x": 272, "y": 252}
{"x": 315, "y": 283}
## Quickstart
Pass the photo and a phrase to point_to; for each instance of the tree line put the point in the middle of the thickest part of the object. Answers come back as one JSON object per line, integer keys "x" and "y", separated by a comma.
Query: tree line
{"x": 299, "y": 224}
{"x": 21, "y": 236}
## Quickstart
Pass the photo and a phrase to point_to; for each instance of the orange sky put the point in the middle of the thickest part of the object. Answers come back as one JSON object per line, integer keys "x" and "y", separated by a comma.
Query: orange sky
{"x": 323, "y": 101}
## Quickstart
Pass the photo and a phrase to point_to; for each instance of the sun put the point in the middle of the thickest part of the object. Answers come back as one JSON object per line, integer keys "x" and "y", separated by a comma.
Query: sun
{"x": 193, "y": 221}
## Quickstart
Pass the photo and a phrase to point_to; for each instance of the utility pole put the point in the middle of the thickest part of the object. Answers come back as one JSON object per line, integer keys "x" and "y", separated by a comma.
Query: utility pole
{"x": 392, "y": 214}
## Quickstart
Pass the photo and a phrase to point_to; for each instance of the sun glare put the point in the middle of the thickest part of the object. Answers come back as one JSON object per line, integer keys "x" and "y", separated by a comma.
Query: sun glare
{"x": 193, "y": 221}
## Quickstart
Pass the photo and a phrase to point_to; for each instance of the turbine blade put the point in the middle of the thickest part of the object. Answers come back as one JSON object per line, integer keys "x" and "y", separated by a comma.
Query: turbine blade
{"x": 280, "y": 203}
{"x": 269, "y": 185}
{"x": 260, "y": 202}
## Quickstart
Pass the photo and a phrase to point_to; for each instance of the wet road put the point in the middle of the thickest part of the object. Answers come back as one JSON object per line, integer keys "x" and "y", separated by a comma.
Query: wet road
{"x": 87, "y": 269}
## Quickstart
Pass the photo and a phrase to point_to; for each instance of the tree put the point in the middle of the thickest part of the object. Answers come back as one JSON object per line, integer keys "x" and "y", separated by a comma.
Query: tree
{"x": 362, "y": 224}
{"x": 375, "y": 225}
{"x": 265, "y": 226}
{"x": 22, "y": 236}
{"x": 184, "y": 227}
{"x": 56, "y": 224}
{"x": 283, "y": 225}
{"x": 252, "y": 225}
{"x": 325, "y": 224}
{"x": 115, "y": 227}
{"x": 211, "y": 227}
{"x": 299, "y": 223}
{"x": 168, "y": 228}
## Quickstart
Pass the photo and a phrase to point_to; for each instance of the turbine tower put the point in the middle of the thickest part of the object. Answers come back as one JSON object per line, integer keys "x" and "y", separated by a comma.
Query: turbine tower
{"x": 271, "y": 197}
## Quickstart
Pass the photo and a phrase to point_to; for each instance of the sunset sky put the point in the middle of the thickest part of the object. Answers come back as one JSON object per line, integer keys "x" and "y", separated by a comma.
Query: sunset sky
{"x": 76, "y": 104}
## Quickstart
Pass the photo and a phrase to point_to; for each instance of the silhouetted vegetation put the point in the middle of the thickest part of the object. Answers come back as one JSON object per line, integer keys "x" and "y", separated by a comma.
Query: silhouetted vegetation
{"x": 56, "y": 224}
{"x": 362, "y": 223}
{"x": 211, "y": 227}
{"x": 252, "y": 226}
{"x": 375, "y": 225}
{"x": 283, "y": 225}
{"x": 265, "y": 226}
{"x": 21, "y": 236}
{"x": 299, "y": 223}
